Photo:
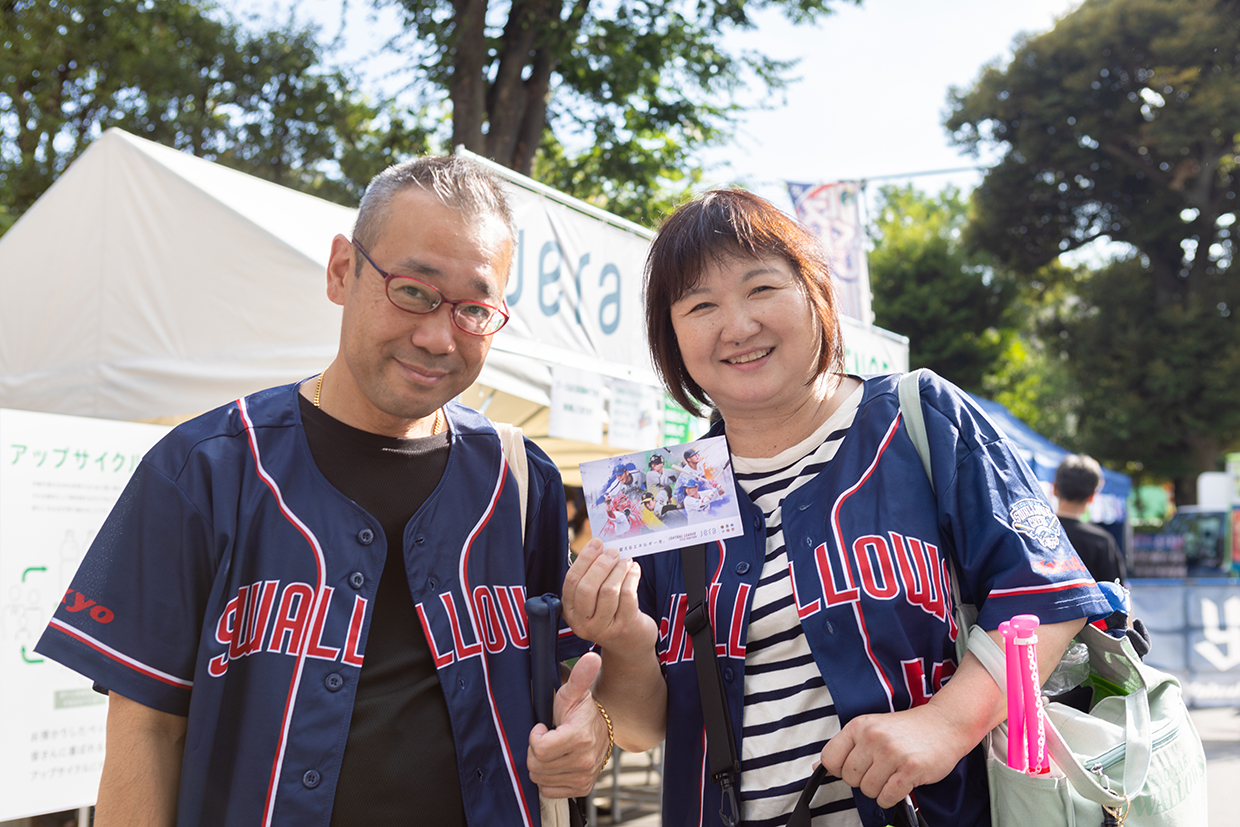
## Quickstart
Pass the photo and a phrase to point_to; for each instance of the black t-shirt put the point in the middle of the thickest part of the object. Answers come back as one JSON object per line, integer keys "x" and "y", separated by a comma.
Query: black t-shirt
{"x": 1097, "y": 550}
{"x": 399, "y": 763}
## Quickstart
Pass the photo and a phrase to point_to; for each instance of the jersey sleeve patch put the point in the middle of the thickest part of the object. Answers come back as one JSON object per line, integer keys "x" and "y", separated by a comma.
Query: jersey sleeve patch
{"x": 1035, "y": 520}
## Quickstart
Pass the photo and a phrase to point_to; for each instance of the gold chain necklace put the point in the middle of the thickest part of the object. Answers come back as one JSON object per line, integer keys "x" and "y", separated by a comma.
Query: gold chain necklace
{"x": 318, "y": 392}
{"x": 318, "y": 388}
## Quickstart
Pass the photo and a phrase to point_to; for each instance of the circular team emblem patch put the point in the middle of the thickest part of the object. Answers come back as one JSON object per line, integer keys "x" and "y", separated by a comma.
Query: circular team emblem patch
{"x": 1035, "y": 518}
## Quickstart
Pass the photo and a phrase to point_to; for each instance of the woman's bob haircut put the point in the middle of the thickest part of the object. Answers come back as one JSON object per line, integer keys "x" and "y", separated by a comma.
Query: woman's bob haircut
{"x": 715, "y": 226}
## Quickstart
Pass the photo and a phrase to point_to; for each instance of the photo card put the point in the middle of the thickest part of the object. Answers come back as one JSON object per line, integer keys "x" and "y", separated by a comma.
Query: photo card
{"x": 666, "y": 498}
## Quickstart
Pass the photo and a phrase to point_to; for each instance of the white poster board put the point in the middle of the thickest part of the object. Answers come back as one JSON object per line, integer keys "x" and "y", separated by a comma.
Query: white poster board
{"x": 59, "y": 478}
{"x": 576, "y": 405}
{"x": 869, "y": 349}
{"x": 636, "y": 414}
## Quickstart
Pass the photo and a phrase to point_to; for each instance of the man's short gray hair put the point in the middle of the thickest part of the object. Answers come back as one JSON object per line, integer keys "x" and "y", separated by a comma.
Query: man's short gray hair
{"x": 455, "y": 181}
{"x": 1078, "y": 478}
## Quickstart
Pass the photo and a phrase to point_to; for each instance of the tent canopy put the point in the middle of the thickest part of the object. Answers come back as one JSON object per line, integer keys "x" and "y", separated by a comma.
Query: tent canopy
{"x": 148, "y": 284}
{"x": 1045, "y": 456}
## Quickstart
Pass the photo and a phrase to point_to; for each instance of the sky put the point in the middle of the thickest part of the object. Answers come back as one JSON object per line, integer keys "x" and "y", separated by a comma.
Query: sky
{"x": 870, "y": 98}
{"x": 874, "y": 88}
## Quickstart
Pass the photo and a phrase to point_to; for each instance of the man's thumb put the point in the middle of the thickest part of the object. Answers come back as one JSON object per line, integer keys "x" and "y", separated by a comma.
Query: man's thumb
{"x": 578, "y": 684}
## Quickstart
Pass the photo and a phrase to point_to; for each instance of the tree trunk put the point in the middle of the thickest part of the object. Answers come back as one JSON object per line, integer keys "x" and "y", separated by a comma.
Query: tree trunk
{"x": 535, "y": 118}
{"x": 538, "y": 85}
{"x": 1166, "y": 260}
{"x": 467, "y": 89}
{"x": 506, "y": 100}
{"x": 1204, "y": 457}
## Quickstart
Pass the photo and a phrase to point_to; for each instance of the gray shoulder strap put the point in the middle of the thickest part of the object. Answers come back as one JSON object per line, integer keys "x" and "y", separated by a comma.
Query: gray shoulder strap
{"x": 513, "y": 442}
{"x": 909, "y": 392}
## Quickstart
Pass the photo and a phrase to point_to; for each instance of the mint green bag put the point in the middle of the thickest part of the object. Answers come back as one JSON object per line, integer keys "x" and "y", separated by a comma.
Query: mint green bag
{"x": 1136, "y": 753}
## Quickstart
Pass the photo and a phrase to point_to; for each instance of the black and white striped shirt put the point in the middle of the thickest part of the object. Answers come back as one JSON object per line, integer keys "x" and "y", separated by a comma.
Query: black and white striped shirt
{"x": 789, "y": 713}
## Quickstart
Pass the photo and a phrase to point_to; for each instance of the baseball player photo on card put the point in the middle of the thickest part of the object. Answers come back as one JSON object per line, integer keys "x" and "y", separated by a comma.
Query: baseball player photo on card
{"x": 670, "y": 497}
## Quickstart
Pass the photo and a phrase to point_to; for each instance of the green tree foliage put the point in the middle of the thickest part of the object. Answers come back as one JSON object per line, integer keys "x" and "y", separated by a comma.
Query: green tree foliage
{"x": 615, "y": 95}
{"x": 928, "y": 286}
{"x": 182, "y": 74}
{"x": 1032, "y": 381}
{"x": 303, "y": 125}
{"x": 1032, "y": 378}
{"x": 1123, "y": 123}
{"x": 1156, "y": 381}
{"x": 63, "y": 69}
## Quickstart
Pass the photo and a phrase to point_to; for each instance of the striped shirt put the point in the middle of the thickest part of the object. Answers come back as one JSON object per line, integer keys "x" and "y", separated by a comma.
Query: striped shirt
{"x": 789, "y": 713}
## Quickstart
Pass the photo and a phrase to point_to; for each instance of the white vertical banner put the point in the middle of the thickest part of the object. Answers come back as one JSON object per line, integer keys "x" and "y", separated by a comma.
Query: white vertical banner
{"x": 833, "y": 213}
{"x": 576, "y": 405}
{"x": 59, "y": 478}
{"x": 636, "y": 415}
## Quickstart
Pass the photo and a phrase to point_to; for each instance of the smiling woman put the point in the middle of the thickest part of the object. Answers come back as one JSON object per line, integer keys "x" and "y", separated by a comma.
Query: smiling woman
{"x": 767, "y": 249}
{"x": 833, "y": 633}
{"x": 747, "y": 333}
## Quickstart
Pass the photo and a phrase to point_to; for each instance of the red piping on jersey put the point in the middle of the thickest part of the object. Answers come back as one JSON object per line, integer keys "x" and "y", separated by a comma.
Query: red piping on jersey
{"x": 473, "y": 619}
{"x": 321, "y": 566}
{"x": 723, "y": 552}
{"x": 839, "y": 540}
{"x": 120, "y": 657}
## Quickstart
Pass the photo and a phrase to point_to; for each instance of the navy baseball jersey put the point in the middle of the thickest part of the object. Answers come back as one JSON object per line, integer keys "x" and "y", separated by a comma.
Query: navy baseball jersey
{"x": 867, "y": 544}
{"x": 234, "y": 585}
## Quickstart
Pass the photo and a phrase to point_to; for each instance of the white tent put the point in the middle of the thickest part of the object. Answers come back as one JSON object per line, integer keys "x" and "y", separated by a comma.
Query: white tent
{"x": 148, "y": 284}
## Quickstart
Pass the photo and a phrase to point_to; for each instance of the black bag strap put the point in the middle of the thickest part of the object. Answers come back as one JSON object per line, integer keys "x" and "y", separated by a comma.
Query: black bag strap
{"x": 904, "y": 814}
{"x": 725, "y": 766}
{"x": 800, "y": 813}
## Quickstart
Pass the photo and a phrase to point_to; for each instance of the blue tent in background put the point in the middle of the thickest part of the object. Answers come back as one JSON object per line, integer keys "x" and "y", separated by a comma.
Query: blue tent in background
{"x": 1109, "y": 508}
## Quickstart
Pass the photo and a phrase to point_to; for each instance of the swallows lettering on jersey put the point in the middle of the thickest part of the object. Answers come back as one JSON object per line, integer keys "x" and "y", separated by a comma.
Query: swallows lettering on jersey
{"x": 76, "y": 602}
{"x": 915, "y": 678}
{"x": 884, "y": 568}
{"x": 676, "y": 645}
{"x": 299, "y": 617}
{"x": 501, "y": 614}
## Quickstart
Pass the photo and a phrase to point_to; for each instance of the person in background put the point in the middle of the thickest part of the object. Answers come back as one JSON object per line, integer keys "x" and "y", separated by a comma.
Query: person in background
{"x": 578, "y": 518}
{"x": 1078, "y": 479}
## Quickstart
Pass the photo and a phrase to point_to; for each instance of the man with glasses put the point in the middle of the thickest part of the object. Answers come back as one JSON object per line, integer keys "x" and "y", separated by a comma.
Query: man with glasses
{"x": 316, "y": 593}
